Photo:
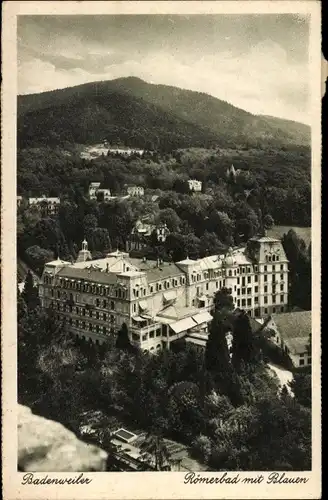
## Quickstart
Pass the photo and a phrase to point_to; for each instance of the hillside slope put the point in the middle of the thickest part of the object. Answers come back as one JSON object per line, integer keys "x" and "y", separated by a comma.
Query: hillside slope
{"x": 131, "y": 111}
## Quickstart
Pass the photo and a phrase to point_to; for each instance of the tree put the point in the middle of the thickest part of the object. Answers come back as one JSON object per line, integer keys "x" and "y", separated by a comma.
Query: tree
{"x": 223, "y": 300}
{"x": 90, "y": 223}
{"x": 123, "y": 341}
{"x": 217, "y": 357}
{"x": 100, "y": 239}
{"x": 300, "y": 290}
{"x": 268, "y": 221}
{"x": 217, "y": 406}
{"x": 37, "y": 257}
{"x": 184, "y": 410}
{"x": 220, "y": 223}
{"x": 180, "y": 185}
{"x": 243, "y": 343}
{"x": 301, "y": 385}
{"x": 169, "y": 217}
{"x": 201, "y": 448}
{"x": 155, "y": 451}
{"x": 210, "y": 244}
{"x": 217, "y": 361}
{"x": 175, "y": 245}
{"x": 247, "y": 223}
{"x": 30, "y": 292}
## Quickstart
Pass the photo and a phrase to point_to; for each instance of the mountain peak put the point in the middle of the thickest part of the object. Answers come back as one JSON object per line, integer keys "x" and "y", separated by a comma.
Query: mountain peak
{"x": 128, "y": 107}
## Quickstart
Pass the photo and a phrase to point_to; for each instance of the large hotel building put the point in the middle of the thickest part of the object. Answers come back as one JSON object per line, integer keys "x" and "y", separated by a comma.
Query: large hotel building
{"x": 161, "y": 302}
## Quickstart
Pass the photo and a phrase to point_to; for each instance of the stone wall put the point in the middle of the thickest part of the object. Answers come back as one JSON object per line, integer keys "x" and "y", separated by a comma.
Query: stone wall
{"x": 47, "y": 446}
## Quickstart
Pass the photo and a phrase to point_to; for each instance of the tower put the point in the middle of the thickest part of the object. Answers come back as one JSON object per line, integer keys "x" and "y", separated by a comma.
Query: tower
{"x": 84, "y": 254}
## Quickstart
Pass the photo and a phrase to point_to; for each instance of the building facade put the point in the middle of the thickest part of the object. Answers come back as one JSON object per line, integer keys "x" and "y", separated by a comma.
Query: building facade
{"x": 95, "y": 192}
{"x": 162, "y": 302}
{"x": 47, "y": 206}
{"x": 135, "y": 190}
{"x": 142, "y": 232}
{"x": 195, "y": 185}
{"x": 291, "y": 332}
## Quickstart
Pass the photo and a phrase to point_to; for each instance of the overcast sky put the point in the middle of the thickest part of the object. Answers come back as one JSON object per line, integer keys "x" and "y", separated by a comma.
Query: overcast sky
{"x": 256, "y": 62}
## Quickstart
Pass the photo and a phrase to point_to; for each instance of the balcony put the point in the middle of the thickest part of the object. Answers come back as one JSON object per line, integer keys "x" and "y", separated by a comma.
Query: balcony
{"x": 143, "y": 326}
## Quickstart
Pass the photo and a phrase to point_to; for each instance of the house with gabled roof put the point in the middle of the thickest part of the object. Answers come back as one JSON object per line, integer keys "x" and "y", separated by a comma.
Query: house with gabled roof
{"x": 291, "y": 332}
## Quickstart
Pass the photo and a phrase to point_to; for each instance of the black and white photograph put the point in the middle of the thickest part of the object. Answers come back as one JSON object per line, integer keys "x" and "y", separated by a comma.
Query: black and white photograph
{"x": 164, "y": 245}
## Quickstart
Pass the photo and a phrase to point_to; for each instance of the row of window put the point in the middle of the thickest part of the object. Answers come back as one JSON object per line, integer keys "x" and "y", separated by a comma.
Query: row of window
{"x": 247, "y": 291}
{"x": 257, "y": 312}
{"x": 274, "y": 299}
{"x": 302, "y": 361}
{"x": 248, "y": 302}
{"x": 87, "y": 287}
{"x": 275, "y": 277}
{"x": 167, "y": 284}
{"x": 268, "y": 268}
{"x": 244, "y": 290}
{"x": 141, "y": 292}
{"x": 274, "y": 288}
{"x": 151, "y": 335}
{"x": 81, "y": 311}
{"x": 102, "y": 303}
{"x": 272, "y": 258}
{"x": 84, "y": 325}
{"x": 249, "y": 280}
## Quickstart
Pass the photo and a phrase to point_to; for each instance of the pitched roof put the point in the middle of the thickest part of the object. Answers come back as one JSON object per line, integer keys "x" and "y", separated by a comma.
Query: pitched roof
{"x": 294, "y": 329}
{"x": 293, "y": 325}
{"x": 154, "y": 271}
{"x": 44, "y": 199}
{"x": 177, "y": 312}
{"x": 57, "y": 262}
{"x": 298, "y": 345}
{"x": 265, "y": 239}
{"x": 87, "y": 274}
{"x": 256, "y": 325}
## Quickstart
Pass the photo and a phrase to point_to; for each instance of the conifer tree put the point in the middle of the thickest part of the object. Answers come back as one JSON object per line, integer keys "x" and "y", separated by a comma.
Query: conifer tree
{"x": 217, "y": 357}
{"x": 30, "y": 293}
{"x": 217, "y": 360}
{"x": 123, "y": 341}
{"x": 243, "y": 344}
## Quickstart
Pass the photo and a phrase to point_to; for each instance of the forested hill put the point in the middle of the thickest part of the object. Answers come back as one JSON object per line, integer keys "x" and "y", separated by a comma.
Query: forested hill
{"x": 133, "y": 112}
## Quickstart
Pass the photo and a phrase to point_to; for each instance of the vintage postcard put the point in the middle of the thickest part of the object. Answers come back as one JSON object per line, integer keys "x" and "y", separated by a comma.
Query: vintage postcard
{"x": 161, "y": 225}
